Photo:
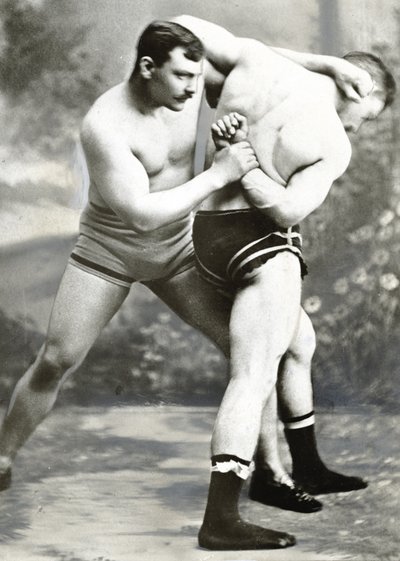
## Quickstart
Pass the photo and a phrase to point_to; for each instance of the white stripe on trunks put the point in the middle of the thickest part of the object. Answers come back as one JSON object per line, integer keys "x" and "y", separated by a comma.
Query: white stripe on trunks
{"x": 265, "y": 251}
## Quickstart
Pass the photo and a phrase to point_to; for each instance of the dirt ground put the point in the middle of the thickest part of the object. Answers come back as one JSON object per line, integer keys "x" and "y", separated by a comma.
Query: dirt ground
{"x": 130, "y": 483}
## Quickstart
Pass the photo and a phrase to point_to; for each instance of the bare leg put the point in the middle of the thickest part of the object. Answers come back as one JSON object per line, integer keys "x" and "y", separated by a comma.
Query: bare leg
{"x": 295, "y": 393}
{"x": 83, "y": 306}
{"x": 294, "y": 380}
{"x": 296, "y": 404}
{"x": 200, "y": 305}
{"x": 270, "y": 484}
{"x": 253, "y": 375}
{"x": 265, "y": 310}
{"x": 267, "y": 456}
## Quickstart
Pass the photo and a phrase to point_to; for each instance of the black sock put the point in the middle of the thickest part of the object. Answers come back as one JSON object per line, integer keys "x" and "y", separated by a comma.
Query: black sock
{"x": 303, "y": 449}
{"x": 309, "y": 470}
{"x": 223, "y": 529}
{"x": 223, "y": 498}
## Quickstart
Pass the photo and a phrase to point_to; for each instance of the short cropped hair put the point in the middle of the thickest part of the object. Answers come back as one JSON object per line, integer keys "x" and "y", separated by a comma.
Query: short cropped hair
{"x": 161, "y": 37}
{"x": 378, "y": 71}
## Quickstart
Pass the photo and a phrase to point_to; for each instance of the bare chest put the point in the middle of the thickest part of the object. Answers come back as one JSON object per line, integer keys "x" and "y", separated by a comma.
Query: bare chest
{"x": 164, "y": 146}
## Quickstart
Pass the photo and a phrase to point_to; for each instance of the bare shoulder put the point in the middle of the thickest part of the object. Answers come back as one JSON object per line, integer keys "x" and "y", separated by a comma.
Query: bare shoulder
{"x": 104, "y": 118}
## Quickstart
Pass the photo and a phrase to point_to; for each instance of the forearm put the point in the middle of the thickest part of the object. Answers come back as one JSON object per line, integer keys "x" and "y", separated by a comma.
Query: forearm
{"x": 154, "y": 210}
{"x": 283, "y": 204}
{"x": 323, "y": 64}
{"x": 354, "y": 82}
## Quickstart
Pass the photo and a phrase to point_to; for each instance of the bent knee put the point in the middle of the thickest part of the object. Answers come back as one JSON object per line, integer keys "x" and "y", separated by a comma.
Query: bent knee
{"x": 258, "y": 377}
{"x": 51, "y": 366}
{"x": 304, "y": 344}
{"x": 260, "y": 386}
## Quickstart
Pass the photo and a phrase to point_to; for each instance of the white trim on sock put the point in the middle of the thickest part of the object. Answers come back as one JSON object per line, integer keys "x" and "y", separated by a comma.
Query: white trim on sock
{"x": 300, "y": 424}
{"x": 239, "y": 469}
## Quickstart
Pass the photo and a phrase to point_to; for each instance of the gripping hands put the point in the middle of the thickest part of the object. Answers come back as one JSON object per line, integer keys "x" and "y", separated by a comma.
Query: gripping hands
{"x": 229, "y": 129}
{"x": 234, "y": 156}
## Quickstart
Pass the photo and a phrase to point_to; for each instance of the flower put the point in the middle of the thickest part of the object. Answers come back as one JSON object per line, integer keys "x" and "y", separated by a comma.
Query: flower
{"x": 389, "y": 281}
{"x": 380, "y": 257}
{"x": 359, "y": 276}
{"x": 329, "y": 319}
{"x": 386, "y": 217}
{"x": 341, "y": 311}
{"x": 385, "y": 233}
{"x": 369, "y": 283}
{"x": 324, "y": 337}
{"x": 312, "y": 304}
{"x": 361, "y": 234}
{"x": 341, "y": 286}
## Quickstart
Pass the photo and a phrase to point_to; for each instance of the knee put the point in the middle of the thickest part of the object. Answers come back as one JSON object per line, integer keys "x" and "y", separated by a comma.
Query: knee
{"x": 303, "y": 348}
{"x": 51, "y": 366}
{"x": 257, "y": 381}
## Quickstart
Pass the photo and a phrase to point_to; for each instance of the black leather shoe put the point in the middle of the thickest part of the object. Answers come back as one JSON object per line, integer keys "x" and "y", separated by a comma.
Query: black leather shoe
{"x": 327, "y": 481}
{"x": 286, "y": 494}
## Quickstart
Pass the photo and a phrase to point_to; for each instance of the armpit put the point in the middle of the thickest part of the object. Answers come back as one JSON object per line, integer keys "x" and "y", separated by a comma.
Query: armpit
{"x": 213, "y": 81}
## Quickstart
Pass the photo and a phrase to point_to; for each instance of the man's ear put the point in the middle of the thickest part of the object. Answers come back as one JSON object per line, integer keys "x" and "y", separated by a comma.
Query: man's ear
{"x": 147, "y": 67}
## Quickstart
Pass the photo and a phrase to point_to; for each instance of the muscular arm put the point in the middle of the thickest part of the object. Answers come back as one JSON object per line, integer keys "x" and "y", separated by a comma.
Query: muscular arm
{"x": 354, "y": 82}
{"x": 123, "y": 183}
{"x": 320, "y": 160}
{"x": 223, "y": 51}
{"x": 305, "y": 191}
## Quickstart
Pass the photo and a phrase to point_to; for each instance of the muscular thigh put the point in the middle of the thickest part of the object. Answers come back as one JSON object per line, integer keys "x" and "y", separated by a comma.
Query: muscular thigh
{"x": 265, "y": 313}
{"x": 83, "y": 306}
{"x": 198, "y": 304}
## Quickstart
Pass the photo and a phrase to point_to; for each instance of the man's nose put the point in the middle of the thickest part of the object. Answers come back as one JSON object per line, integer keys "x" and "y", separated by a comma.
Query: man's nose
{"x": 191, "y": 87}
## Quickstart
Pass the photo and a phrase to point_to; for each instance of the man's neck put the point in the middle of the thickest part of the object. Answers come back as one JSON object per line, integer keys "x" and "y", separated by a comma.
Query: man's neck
{"x": 140, "y": 95}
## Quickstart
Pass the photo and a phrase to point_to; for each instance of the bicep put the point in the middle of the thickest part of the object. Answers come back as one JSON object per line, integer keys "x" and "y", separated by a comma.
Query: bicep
{"x": 119, "y": 176}
{"x": 326, "y": 158}
{"x": 309, "y": 187}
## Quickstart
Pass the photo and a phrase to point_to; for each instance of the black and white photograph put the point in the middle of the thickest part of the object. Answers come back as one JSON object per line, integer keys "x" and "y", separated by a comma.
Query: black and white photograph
{"x": 200, "y": 280}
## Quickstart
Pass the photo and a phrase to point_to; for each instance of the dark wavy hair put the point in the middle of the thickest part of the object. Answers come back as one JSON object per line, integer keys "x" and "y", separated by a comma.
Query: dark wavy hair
{"x": 161, "y": 37}
{"x": 378, "y": 71}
